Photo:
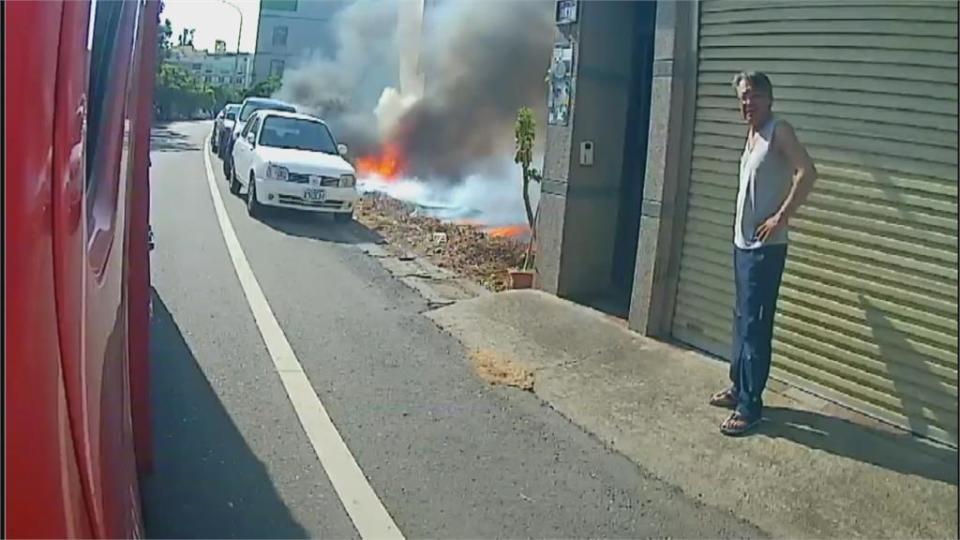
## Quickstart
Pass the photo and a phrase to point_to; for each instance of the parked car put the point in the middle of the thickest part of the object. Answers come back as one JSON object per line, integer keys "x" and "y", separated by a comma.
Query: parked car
{"x": 292, "y": 160}
{"x": 223, "y": 123}
{"x": 247, "y": 108}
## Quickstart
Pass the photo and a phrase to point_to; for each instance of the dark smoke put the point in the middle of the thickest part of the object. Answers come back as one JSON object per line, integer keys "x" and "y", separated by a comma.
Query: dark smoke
{"x": 482, "y": 61}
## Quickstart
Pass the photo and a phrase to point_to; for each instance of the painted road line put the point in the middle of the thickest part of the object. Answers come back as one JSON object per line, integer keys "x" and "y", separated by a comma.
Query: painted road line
{"x": 367, "y": 512}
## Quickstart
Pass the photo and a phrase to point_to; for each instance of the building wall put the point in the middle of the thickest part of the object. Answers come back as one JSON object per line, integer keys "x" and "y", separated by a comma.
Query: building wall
{"x": 578, "y": 218}
{"x": 308, "y": 27}
{"x": 214, "y": 69}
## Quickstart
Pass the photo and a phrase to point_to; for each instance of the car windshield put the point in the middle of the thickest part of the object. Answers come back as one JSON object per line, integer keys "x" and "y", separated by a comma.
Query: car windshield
{"x": 251, "y": 108}
{"x": 298, "y": 134}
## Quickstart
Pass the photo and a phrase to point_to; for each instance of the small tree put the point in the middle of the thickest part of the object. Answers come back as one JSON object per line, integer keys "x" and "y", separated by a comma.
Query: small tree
{"x": 525, "y": 136}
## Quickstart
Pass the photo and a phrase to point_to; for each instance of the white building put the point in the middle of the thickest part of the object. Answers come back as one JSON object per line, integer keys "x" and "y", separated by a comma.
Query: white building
{"x": 215, "y": 69}
{"x": 291, "y": 31}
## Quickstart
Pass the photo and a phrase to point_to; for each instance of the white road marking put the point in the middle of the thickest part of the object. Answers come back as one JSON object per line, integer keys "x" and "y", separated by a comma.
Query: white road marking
{"x": 369, "y": 516}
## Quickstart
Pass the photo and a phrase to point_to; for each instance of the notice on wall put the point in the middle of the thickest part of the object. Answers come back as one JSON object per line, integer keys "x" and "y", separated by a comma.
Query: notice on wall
{"x": 566, "y": 12}
{"x": 561, "y": 78}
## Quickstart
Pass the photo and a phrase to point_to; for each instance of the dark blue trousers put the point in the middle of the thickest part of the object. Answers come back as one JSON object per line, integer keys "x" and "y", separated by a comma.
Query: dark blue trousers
{"x": 758, "y": 273}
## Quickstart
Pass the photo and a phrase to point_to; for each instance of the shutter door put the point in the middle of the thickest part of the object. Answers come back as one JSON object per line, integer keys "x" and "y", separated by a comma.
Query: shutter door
{"x": 868, "y": 306}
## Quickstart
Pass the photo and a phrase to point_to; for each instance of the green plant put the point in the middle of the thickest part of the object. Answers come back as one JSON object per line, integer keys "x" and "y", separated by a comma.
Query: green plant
{"x": 525, "y": 134}
{"x": 178, "y": 91}
{"x": 264, "y": 89}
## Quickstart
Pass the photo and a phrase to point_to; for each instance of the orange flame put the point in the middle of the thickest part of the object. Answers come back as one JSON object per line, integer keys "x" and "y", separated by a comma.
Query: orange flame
{"x": 388, "y": 165}
{"x": 510, "y": 231}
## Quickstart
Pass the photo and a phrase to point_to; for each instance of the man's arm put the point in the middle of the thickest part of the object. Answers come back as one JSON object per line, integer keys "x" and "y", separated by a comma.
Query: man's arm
{"x": 785, "y": 141}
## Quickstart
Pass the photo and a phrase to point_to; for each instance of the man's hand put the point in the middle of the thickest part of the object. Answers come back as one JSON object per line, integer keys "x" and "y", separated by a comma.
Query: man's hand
{"x": 770, "y": 226}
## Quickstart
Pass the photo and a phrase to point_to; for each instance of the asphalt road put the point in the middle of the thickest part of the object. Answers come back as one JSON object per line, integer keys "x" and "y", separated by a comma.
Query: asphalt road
{"x": 447, "y": 455}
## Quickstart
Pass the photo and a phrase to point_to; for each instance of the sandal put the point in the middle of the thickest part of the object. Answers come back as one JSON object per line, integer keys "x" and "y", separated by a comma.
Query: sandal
{"x": 724, "y": 399}
{"x": 737, "y": 424}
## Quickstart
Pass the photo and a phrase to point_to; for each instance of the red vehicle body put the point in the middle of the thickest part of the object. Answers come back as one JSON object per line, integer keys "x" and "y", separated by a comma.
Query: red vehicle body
{"x": 78, "y": 105}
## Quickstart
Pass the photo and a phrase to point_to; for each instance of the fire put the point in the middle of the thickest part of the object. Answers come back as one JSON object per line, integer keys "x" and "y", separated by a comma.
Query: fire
{"x": 388, "y": 165}
{"x": 510, "y": 231}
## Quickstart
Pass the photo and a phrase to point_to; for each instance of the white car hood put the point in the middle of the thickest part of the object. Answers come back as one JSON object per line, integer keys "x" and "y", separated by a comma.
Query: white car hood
{"x": 306, "y": 162}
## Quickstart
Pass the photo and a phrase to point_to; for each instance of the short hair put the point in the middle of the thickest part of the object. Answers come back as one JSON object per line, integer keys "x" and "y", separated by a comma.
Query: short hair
{"x": 756, "y": 79}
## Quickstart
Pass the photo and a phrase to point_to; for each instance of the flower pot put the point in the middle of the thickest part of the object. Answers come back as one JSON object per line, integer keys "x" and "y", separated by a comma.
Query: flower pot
{"x": 520, "y": 279}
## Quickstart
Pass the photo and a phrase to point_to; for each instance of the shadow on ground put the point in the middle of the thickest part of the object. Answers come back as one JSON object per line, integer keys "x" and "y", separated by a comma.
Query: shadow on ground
{"x": 901, "y": 453}
{"x": 318, "y": 227}
{"x": 165, "y": 139}
{"x": 206, "y": 481}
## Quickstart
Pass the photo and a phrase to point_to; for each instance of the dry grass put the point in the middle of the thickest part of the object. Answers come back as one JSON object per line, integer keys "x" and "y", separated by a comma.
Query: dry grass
{"x": 497, "y": 369}
{"x": 463, "y": 249}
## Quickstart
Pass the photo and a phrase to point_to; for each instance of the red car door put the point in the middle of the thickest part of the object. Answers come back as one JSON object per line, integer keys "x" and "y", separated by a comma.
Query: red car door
{"x": 94, "y": 137}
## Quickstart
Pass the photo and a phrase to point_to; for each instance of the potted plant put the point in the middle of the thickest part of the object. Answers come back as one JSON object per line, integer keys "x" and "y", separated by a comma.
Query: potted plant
{"x": 524, "y": 136}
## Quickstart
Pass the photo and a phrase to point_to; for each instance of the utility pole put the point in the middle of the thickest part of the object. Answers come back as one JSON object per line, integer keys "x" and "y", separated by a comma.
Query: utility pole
{"x": 236, "y": 59}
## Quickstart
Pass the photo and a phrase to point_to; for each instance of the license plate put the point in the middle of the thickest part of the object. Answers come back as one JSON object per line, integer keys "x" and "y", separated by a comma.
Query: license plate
{"x": 314, "y": 194}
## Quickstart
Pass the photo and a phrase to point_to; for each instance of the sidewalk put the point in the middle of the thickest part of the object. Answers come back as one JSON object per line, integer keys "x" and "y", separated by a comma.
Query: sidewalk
{"x": 812, "y": 470}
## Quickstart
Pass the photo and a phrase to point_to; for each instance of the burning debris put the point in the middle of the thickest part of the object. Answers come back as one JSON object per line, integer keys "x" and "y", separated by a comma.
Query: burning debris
{"x": 463, "y": 248}
{"x": 386, "y": 166}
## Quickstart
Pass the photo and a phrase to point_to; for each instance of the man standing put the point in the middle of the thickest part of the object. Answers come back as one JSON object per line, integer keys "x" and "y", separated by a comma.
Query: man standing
{"x": 776, "y": 175}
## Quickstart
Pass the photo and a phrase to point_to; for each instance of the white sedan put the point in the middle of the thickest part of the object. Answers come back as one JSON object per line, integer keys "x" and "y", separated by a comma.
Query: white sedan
{"x": 291, "y": 160}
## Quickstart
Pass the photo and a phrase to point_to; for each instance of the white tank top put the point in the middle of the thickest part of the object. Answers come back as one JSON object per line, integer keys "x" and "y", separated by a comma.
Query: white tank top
{"x": 765, "y": 180}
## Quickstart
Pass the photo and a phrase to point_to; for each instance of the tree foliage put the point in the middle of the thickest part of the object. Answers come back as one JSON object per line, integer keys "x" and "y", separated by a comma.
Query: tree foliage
{"x": 226, "y": 94}
{"x": 264, "y": 89}
{"x": 179, "y": 94}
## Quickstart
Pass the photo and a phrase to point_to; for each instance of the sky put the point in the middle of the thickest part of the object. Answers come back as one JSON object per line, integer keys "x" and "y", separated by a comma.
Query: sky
{"x": 213, "y": 20}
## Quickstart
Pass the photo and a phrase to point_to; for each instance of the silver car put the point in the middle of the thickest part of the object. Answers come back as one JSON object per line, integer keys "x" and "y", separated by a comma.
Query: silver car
{"x": 223, "y": 125}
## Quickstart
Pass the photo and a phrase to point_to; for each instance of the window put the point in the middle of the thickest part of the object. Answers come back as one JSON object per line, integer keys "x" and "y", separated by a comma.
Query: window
{"x": 276, "y": 68}
{"x": 111, "y": 45}
{"x": 112, "y": 31}
{"x": 280, "y": 36}
{"x": 295, "y": 133}
{"x": 253, "y": 106}
{"x": 198, "y": 67}
{"x": 251, "y": 127}
{"x": 279, "y": 5}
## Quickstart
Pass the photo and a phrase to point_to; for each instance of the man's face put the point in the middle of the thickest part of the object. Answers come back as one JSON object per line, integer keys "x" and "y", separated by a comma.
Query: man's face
{"x": 754, "y": 103}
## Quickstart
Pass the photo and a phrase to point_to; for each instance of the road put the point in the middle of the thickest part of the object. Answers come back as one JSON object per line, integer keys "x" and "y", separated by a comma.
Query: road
{"x": 443, "y": 454}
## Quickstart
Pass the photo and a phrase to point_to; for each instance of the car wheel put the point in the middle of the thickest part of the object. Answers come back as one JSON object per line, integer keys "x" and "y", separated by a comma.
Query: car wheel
{"x": 232, "y": 179}
{"x": 345, "y": 217}
{"x": 253, "y": 206}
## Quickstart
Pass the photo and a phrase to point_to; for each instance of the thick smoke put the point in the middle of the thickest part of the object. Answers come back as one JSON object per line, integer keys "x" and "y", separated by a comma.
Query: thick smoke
{"x": 344, "y": 89}
{"x": 481, "y": 62}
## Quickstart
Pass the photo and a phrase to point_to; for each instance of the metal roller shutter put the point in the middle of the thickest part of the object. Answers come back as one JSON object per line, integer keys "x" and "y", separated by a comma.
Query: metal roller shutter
{"x": 868, "y": 307}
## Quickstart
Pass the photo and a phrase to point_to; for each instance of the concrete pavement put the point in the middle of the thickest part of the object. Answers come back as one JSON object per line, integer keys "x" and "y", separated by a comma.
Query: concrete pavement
{"x": 448, "y": 455}
{"x": 813, "y": 470}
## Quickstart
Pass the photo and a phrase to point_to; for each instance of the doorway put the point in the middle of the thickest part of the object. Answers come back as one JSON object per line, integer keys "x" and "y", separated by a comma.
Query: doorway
{"x": 615, "y": 300}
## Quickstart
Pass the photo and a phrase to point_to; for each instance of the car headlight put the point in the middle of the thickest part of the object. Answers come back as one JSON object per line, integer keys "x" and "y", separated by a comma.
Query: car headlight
{"x": 276, "y": 172}
{"x": 347, "y": 180}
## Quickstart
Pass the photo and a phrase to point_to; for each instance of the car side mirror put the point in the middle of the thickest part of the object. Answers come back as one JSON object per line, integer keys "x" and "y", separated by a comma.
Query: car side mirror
{"x": 252, "y": 139}
{"x": 342, "y": 149}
